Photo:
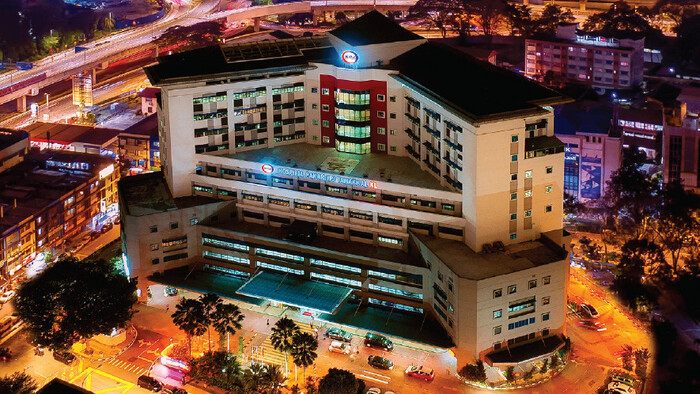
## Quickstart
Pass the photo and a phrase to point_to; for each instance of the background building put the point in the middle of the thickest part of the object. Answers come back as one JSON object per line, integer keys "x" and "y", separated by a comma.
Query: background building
{"x": 586, "y": 58}
{"x": 437, "y": 198}
{"x": 14, "y": 145}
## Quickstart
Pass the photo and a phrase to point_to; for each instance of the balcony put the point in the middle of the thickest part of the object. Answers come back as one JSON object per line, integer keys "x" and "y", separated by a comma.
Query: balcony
{"x": 432, "y": 131}
{"x": 453, "y": 145}
{"x": 412, "y": 152}
{"x": 451, "y": 163}
{"x": 412, "y": 134}
{"x": 413, "y": 119}
{"x": 542, "y": 146}
{"x": 431, "y": 148}
{"x": 454, "y": 183}
{"x": 432, "y": 166}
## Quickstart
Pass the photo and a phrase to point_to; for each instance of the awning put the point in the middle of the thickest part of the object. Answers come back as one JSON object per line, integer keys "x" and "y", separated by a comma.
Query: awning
{"x": 296, "y": 291}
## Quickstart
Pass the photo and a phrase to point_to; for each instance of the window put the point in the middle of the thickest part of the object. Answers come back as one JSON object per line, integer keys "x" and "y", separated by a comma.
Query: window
{"x": 528, "y": 213}
{"x": 381, "y": 114}
{"x": 512, "y": 289}
{"x": 545, "y": 316}
{"x": 392, "y": 148}
{"x": 514, "y": 138}
{"x": 513, "y": 235}
{"x": 324, "y": 91}
{"x": 548, "y": 208}
{"x": 513, "y": 196}
{"x": 154, "y": 246}
{"x": 391, "y": 290}
{"x": 173, "y": 225}
{"x": 381, "y": 147}
{"x": 194, "y": 221}
{"x": 513, "y": 157}
{"x": 549, "y": 169}
{"x": 326, "y": 139}
{"x": 392, "y": 132}
{"x": 496, "y": 330}
{"x": 333, "y": 278}
{"x": 381, "y": 97}
{"x": 325, "y": 123}
{"x": 392, "y": 99}
{"x": 392, "y": 115}
{"x": 314, "y": 90}
{"x": 513, "y": 216}
{"x": 528, "y": 193}
{"x": 336, "y": 266}
{"x": 314, "y": 106}
{"x": 548, "y": 189}
{"x": 497, "y": 293}
{"x": 514, "y": 177}
{"x": 545, "y": 300}
{"x": 381, "y": 130}
{"x": 281, "y": 255}
{"x": 155, "y": 261}
{"x": 175, "y": 257}
{"x": 498, "y": 313}
{"x": 154, "y": 229}
{"x": 390, "y": 240}
{"x": 532, "y": 284}
{"x": 528, "y": 174}
{"x": 325, "y": 107}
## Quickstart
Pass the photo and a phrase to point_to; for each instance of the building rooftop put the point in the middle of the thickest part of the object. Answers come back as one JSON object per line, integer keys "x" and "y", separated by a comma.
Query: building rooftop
{"x": 582, "y": 117}
{"x": 650, "y": 114}
{"x": 468, "y": 264}
{"x": 148, "y": 193}
{"x": 322, "y": 245}
{"x": 69, "y": 133}
{"x": 478, "y": 89}
{"x": 373, "y": 28}
{"x": 10, "y": 137}
{"x": 379, "y": 167}
{"x": 58, "y": 386}
{"x": 147, "y": 126}
{"x": 149, "y": 92}
{"x": 40, "y": 180}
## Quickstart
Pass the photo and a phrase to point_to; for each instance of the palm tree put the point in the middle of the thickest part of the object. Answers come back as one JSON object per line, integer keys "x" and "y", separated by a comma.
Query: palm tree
{"x": 253, "y": 378}
{"x": 273, "y": 378}
{"x": 108, "y": 22}
{"x": 210, "y": 304}
{"x": 227, "y": 319}
{"x": 189, "y": 316}
{"x": 281, "y": 338}
{"x": 18, "y": 383}
{"x": 304, "y": 347}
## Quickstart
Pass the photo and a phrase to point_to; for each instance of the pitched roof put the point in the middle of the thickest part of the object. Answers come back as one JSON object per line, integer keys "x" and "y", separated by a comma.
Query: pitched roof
{"x": 478, "y": 89}
{"x": 373, "y": 28}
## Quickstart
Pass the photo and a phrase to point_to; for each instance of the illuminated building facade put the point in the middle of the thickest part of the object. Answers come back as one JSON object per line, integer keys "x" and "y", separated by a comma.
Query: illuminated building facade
{"x": 585, "y": 58}
{"x": 51, "y": 198}
{"x": 431, "y": 196}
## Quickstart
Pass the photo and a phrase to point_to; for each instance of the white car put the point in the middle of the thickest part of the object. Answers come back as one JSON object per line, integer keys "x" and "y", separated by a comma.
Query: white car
{"x": 621, "y": 388}
{"x": 374, "y": 390}
{"x": 7, "y": 296}
{"x": 339, "y": 347}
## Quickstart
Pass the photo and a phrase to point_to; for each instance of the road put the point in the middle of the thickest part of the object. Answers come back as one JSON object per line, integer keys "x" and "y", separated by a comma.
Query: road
{"x": 113, "y": 44}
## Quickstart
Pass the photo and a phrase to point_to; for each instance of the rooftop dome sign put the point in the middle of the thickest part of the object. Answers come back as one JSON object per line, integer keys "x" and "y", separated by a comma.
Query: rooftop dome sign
{"x": 349, "y": 57}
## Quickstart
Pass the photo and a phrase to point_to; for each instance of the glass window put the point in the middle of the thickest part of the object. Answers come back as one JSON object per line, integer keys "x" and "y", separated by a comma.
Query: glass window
{"x": 514, "y": 138}
{"x": 325, "y": 91}
{"x": 336, "y": 266}
{"x": 545, "y": 300}
{"x": 532, "y": 284}
{"x": 390, "y": 240}
{"x": 549, "y": 169}
{"x": 225, "y": 257}
{"x": 513, "y": 196}
{"x": 513, "y": 216}
{"x": 548, "y": 208}
{"x": 497, "y": 293}
{"x": 546, "y": 279}
{"x": 391, "y": 290}
{"x": 498, "y": 313}
{"x": 548, "y": 189}
{"x": 496, "y": 330}
{"x": 277, "y": 254}
{"x": 513, "y": 235}
{"x": 336, "y": 279}
{"x": 545, "y": 316}
{"x": 528, "y": 193}
{"x": 528, "y": 174}
{"x": 528, "y": 213}
{"x": 512, "y": 289}
{"x": 280, "y": 268}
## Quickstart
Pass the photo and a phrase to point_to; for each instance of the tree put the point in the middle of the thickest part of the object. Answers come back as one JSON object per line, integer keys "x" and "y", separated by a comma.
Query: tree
{"x": 627, "y": 356}
{"x": 108, "y": 23}
{"x": 519, "y": 17}
{"x": 552, "y": 15}
{"x": 282, "y": 334}
{"x": 474, "y": 372}
{"x": 72, "y": 300}
{"x": 486, "y": 13}
{"x": 338, "y": 381}
{"x": 304, "y": 347}
{"x": 621, "y": 17}
{"x": 590, "y": 249}
{"x": 554, "y": 361}
{"x": 340, "y": 17}
{"x": 641, "y": 361}
{"x": 572, "y": 206}
{"x": 273, "y": 378}
{"x": 17, "y": 383}
{"x": 210, "y": 304}
{"x": 441, "y": 14}
{"x": 687, "y": 47}
{"x": 510, "y": 373}
{"x": 220, "y": 369}
{"x": 678, "y": 220}
{"x": 190, "y": 317}
{"x": 226, "y": 320}
{"x": 253, "y": 378}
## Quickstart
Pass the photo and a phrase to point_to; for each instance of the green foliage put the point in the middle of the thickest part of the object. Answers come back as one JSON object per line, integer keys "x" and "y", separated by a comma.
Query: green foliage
{"x": 261, "y": 378}
{"x": 190, "y": 317}
{"x": 554, "y": 361}
{"x": 17, "y": 383}
{"x": 218, "y": 369}
{"x": 621, "y": 18}
{"x": 338, "y": 381}
{"x": 627, "y": 356}
{"x": 510, "y": 373}
{"x": 474, "y": 372}
{"x": 590, "y": 249}
{"x": 545, "y": 366}
{"x": 283, "y": 332}
{"x": 72, "y": 300}
{"x": 641, "y": 362}
{"x": 195, "y": 317}
{"x": 303, "y": 350}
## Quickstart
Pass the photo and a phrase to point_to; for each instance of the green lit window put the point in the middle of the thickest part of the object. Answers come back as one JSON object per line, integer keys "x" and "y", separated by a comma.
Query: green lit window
{"x": 225, "y": 257}
{"x": 280, "y": 268}
{"x": 352, "y": 147}
{"x": 336, "y": 279}
{"x": 337, "y": 266}
{"x": 391, "y": 290}
{"x": 282, "y": 255}
{"x": 209, "y": 99}
{"x": 288, "y": 89}
{"x": 352, "y": 131}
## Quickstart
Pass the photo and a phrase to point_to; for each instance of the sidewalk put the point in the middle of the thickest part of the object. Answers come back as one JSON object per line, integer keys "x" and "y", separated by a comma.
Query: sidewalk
{"x": 97, "y": 351}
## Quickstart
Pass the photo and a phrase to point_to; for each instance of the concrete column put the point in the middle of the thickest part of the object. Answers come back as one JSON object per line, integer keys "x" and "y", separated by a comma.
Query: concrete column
{"x": 94, "y": 76}
{"x": 582, "y": 5}
{"x": 256, "y": 24}
{"x": 21, "y": 103}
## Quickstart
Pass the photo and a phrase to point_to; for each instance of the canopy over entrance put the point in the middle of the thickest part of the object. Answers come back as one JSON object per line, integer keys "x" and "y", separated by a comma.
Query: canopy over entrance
{"x": 293, "y": 290}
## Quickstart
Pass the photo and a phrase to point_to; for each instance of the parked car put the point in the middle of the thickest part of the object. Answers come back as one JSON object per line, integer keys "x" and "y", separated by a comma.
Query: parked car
{"x": 589, "y": 310}
{"x": 623, "y": 379}
{"x": 621, "y": 388}
{"x": 174, "y": 390}
{"x": 170, "y": 291}
{"x": 591, "y": 325}
{"x": 149, "y": 383}
{"x": 378, "y": 341}
{"x": 338, "y": 334}
{"x": 67, "y": 358}
{"x": 7, "y": 296}
{"x": 374, "y": 390}
{"x": 380, "y": 362}
{"x": 420, "y": 373}
{"x": 339, "y": 347}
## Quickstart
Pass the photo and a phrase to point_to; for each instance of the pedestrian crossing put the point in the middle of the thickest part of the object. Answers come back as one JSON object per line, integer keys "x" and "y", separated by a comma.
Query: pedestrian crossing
{"x": 267, "y": 354}
{"x": 127, "y": 366}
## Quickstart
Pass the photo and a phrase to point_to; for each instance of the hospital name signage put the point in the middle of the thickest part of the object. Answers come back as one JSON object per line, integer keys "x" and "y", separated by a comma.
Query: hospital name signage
{"x": 319, "y": 176}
